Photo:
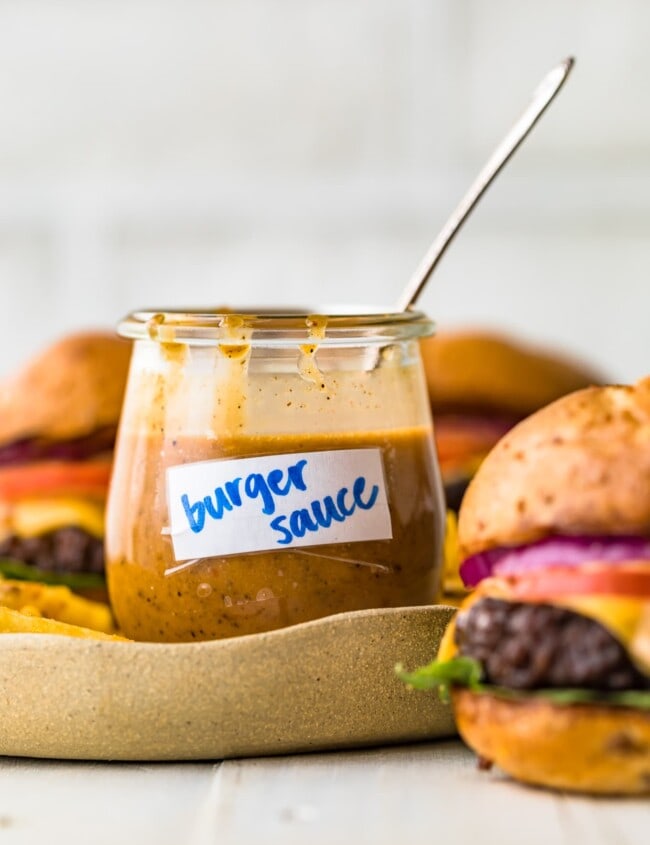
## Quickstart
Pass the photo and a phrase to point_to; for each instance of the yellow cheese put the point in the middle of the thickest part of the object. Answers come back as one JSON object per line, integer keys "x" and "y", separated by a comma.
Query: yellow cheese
{"x": 447, "y": 648}
{"x": 33, "y": 517}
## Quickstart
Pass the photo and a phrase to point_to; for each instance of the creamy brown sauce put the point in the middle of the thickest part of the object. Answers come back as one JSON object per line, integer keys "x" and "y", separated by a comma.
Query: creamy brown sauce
{"x": 242, "y": 594}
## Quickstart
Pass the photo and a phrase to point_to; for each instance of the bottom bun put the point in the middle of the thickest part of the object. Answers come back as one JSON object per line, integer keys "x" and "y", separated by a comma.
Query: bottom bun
{"x": 575, "y": 747}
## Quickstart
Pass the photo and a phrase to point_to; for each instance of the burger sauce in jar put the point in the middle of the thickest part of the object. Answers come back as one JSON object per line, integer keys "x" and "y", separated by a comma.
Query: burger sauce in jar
{"x": 269, "y": 470}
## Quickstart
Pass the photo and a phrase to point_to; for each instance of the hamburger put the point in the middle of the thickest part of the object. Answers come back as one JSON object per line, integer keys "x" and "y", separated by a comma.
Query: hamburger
{"x": 548, "y": 660}
{"x": 480, "y": 385}
{"x": 58, "y": 420}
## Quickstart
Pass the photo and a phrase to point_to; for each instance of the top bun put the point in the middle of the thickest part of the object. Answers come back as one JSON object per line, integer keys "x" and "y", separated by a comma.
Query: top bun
{"x": 69, "y": 390}
{"x": 578, "y": 466}
{"x": 476, "y": 370}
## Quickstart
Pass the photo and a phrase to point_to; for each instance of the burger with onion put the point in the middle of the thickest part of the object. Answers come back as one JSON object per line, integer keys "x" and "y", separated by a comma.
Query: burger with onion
{"x": 548, "y": 660}
{"x": 58, "y": 419}
{"x": 481, "y": 384}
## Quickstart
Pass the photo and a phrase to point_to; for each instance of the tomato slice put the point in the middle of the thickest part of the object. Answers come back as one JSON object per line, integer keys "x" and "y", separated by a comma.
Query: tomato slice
{"x": 59, "y": 478}
{"x": 454, "y": 445}
{"x": 593, "y": 579}
{"x": 464, "y": 467}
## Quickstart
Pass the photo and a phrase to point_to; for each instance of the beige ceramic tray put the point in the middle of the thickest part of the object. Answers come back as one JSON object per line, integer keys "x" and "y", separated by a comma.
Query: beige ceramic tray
{"x": 321, "y": 685}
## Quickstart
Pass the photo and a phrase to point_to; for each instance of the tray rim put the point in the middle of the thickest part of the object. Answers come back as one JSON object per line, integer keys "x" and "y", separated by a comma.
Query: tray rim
{"x": 8, "y": 639}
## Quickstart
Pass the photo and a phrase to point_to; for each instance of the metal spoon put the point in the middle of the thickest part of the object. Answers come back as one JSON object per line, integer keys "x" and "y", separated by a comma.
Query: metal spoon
{"x": 542, "y": 98}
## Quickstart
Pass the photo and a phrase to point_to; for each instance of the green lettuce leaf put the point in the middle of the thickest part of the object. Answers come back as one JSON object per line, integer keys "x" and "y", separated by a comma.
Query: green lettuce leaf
{"x": 461, "y": 671}
{"x": 466, "y": 672}
{"x": 21, "y": 571}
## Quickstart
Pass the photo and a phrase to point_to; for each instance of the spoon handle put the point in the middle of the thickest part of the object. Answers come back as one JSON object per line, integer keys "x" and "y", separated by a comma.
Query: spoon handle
{"x": 542, "y": 98}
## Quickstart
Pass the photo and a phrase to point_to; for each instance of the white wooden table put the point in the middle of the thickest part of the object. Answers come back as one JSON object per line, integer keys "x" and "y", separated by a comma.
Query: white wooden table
{"x": 430, "y": 793}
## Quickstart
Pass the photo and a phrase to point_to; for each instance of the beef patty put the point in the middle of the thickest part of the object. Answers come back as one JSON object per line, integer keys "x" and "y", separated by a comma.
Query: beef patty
{"x": 533, "y": 646}
{"x": 65, "y": 550}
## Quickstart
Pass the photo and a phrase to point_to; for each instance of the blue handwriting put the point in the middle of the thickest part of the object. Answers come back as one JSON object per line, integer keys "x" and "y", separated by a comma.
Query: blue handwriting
{"x": 256, "y": 485}
{"x": 320, "y": 514}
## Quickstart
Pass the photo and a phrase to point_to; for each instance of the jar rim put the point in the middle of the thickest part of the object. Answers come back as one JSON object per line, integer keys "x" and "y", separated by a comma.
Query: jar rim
{"x": 274, "y": 327}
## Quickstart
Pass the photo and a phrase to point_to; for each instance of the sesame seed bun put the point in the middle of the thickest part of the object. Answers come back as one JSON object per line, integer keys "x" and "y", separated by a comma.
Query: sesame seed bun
{"x": 70, "y": 390}
{"x": 579, "y": 466}
{"x": 487, "y": 370}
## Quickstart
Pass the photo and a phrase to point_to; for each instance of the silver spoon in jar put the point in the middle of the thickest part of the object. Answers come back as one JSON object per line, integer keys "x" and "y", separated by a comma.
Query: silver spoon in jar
{"x": 542, "y": 98}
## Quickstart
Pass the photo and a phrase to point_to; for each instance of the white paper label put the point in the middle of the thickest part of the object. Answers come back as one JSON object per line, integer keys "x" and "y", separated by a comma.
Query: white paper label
{"x": 229, "y": 507}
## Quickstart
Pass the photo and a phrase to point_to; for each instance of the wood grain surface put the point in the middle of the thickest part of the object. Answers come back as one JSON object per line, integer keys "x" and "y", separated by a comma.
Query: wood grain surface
{"x": 423, "y": 793}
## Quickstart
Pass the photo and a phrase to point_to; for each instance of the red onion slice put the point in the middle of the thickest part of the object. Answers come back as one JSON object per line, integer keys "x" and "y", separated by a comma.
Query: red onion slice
{"x": 553, "y": 551}
{"x": 36, "y": 449}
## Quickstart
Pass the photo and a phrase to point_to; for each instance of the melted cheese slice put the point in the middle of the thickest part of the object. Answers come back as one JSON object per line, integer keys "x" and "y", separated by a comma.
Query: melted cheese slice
{"x": 33, "y": 517}
{"x": 625, "y": 617}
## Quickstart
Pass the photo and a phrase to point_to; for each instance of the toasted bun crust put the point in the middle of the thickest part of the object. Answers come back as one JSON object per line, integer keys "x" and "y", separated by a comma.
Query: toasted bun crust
{"x": 578, "y": 466}
{"x": 476, "y": 370}
{"x": 69, "y": 390}
{"x": 581, "y": 748}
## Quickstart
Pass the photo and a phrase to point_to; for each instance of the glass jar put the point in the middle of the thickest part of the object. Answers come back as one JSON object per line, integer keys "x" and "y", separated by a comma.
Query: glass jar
{"x": 270, "y": 469}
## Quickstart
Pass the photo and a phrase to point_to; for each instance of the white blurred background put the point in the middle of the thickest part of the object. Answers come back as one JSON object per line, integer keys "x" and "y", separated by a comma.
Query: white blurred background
{"x": 176, "y": 152}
